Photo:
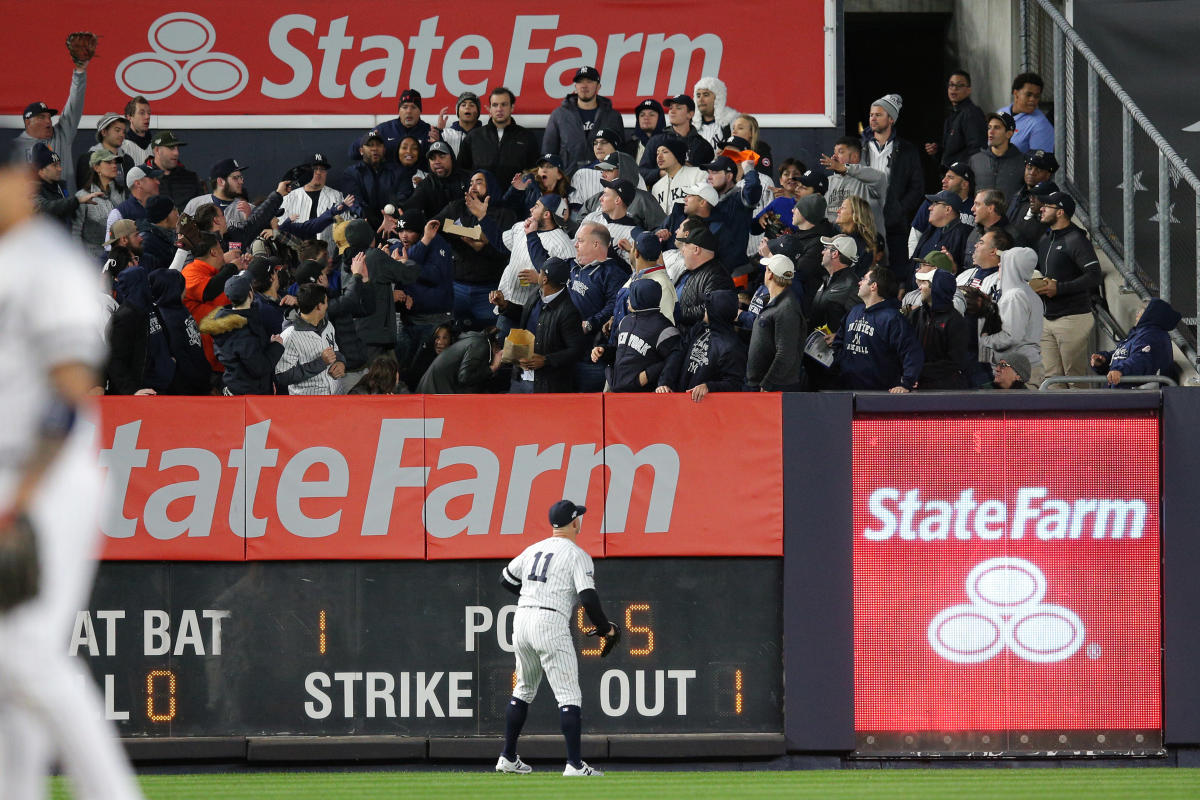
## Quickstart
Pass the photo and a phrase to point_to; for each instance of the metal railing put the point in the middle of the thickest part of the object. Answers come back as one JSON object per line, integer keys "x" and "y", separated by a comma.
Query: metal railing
{"x": 1083, "y": 121}
{"x": 1135, "y": 381}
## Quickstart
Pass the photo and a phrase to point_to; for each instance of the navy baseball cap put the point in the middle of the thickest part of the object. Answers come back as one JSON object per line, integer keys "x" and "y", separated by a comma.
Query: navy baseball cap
{"x": 963, "y": 170}
{"x": 587, "y": 73}
{"x": 237, "y": 288}
{"x": 815, "y": 180}
{"x": 1044, "y": 189}
{"x": 649, "y": 105}
{"x": 33, "y": 109}
{"x": 558, "y": 272}
{"x": 1060, "y": 200}
{"x": 681, "y": 99}
{"x": 1004, "y": 118}
{"x": 564, "y": 511}
{"x": 648, "y": 246}
{"x": 319, "y": 160}
{"x": 610, "y": 135}
{"x": 225, "y": 168}
{"x": 1042, "y": 160}
{"x": 43, "y": 156}
{"x": 551, "y": 202}
{"x": 411, "y": 221}
{"x": 948, "y": 197}
{"x": 552, "y": 159}
{"x": 720, "y": 164}
{"x": 624, "y": 189}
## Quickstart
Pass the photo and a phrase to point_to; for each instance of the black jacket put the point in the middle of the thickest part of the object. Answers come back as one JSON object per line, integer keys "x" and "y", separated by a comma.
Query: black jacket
{"x": 158, "y": 246}
{"x": 963, "y": 133}
{"x": 905, "y": 182}
{"x": 1068, "y": 257}
{"x": 945, "y": 339}
{"x": 558, "y": 337}
{"x": 804, "y": 249}
{"x": 713, "y": 352}
{"x": 356, "y": 300}
{"x": 244, "y": 348}
{"x": 483, "y": 148}
{"x": 434, "y": 193}
{"x": 484, "y": 266}
{"x": 192, "y": 372}
{"x": 777, "y": 344}
{"x": 55, "y": 201}
{"x": 378, "y": 328}
{"x": 181, "y": 185}
{"x": 694, "y": 286}
{"x": 834, "y": 299}
{"x": 462, "y": 368}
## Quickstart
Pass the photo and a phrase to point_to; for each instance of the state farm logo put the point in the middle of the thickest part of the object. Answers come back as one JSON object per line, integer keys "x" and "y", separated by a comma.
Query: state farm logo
{"x": 182, "y": 56}
{"x": 1006, "y": 610}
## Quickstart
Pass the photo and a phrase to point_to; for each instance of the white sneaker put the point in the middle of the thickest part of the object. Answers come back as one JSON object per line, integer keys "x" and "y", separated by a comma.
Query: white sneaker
{"x": 517, "y": 767}
{"x": 582, "y": 771}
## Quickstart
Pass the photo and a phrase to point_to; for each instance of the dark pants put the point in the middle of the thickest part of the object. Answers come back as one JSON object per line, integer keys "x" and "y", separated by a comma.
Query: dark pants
{"x": 471, "y": 307}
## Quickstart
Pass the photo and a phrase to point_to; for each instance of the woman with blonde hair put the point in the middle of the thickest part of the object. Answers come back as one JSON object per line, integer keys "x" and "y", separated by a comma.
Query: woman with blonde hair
{"x": 746, "y": 127}
{"x": 855, "y": 219}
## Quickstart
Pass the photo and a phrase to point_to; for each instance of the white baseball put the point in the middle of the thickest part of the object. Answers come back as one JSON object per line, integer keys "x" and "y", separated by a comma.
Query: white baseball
{"x": 389, "y": 209}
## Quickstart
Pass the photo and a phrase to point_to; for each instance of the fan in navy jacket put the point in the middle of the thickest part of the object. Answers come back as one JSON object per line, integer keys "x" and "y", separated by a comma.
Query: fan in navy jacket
{"x": 1146, "y": 350}
{"x": 648, "y": 351}
{"x": 714, "y": 356}
{"x": 876, "y": 347}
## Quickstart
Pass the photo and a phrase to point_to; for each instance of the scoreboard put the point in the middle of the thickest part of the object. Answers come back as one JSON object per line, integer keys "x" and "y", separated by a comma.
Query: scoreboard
{"x": 409, "y": 648}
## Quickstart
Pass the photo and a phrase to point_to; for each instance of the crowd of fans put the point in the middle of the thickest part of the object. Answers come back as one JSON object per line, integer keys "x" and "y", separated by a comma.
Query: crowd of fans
{"x": 473, "y": 256}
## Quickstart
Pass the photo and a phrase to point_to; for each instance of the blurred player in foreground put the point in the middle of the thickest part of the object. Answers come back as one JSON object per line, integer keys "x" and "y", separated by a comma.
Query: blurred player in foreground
{"x": 548, "y": 578}
{"x": 50, "y": 488}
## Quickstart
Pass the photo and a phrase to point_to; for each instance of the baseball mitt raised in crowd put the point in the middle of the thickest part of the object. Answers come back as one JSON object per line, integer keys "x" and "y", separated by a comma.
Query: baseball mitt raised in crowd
{"x": 82, "y": 46}
{"x": 607, "y": 641}
{"x": 18, "y": 562}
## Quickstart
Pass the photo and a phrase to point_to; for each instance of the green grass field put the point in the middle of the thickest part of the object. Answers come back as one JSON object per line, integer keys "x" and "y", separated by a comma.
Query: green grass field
{"x": 909, "y": 784}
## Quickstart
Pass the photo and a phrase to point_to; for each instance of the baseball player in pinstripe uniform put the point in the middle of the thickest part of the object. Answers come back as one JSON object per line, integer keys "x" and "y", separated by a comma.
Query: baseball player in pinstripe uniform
{"x": 548, "y": 578}
{"x": 50, "y": 483}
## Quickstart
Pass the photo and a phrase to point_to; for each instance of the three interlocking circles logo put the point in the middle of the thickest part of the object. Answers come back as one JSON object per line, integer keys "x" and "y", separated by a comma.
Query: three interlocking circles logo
{"x": 181, "y": 55}
{"x": 1006, "y": 611}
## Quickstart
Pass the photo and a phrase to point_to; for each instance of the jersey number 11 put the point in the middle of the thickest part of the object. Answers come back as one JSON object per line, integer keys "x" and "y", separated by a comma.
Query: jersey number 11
{"x": 533, "y": 576}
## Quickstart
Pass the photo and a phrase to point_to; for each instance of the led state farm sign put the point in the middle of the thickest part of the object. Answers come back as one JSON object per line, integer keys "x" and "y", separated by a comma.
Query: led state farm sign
{"x": 1006, "y": 583}
{"x": 436, "y": 477}
{"x": 259, "y": 64}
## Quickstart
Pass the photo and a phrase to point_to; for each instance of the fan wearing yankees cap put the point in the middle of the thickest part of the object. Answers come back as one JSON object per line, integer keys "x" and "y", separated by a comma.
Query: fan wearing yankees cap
{"x": 1025, "y": 210}
{"x": 229, "y": 192}
{"x": 429, "y": 299}
{"x": 737, "y": 200}
{"x": 958, "y": 178}
{"x": 651, "y": 120}
{"x": 585, "y": 183}
{"x": 315, "y": 197}
{"x": 444, "y": 183}
{"x": 703, "y": 273}
{"x": 644, "y": 209}
{"x": 110, "y": 135}
{"x": 573, "y": 125}
{"x": 615, "y": 199}
{"x": 681, "y": 110}
{"x": 557, "y": 328}
{"x": 647, "y": 349}
{"x": 1068, "y": 262}
{"x": 375, "y": 179}
{"x": 408, "y": 122}
{"x": 53, "y": 199}
{"x": 58, "y": 136}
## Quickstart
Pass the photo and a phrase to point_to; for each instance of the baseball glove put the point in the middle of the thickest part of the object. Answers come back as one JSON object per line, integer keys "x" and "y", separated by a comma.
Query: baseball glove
{"x": 18, "y": 563}
{"x": 82, "y": 46}
{"x": 607, "y": 642}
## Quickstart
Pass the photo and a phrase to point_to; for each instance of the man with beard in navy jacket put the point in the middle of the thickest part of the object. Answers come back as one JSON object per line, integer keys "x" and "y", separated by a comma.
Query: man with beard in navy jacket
{"x": 714, "y": 356}
{"x": 877, "y": 350}
{"x": 648, "y": 351}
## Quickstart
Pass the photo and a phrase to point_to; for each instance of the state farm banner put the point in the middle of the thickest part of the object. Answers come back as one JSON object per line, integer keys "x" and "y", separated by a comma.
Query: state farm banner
{"x": 272, "y": 65}
{"x": 1006, "y": 583}
{"x": 438, "y": 477}
{"x": 724, "y": 453}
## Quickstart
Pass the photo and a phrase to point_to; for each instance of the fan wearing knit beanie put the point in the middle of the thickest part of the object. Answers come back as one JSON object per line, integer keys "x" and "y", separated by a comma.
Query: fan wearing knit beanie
{"x": 900, "y": 160}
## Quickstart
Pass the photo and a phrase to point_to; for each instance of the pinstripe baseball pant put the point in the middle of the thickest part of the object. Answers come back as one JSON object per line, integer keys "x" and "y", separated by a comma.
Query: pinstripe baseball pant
{"x": 543, "y": 645}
